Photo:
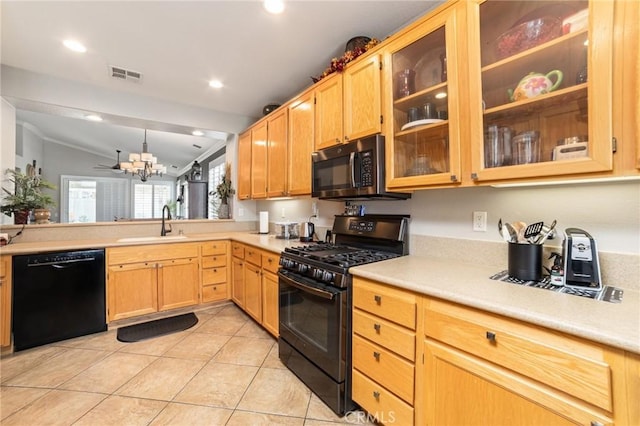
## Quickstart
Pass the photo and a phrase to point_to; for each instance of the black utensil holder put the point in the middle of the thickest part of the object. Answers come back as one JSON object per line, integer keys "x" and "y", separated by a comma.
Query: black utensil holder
{"x": 525, "y": 261}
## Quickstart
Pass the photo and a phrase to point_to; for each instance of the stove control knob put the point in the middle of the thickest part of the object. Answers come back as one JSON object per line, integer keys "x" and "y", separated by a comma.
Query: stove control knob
{"x": 328, "y": 276}
{"x": 317, "y": 273}
{"x": 302, "y": 268}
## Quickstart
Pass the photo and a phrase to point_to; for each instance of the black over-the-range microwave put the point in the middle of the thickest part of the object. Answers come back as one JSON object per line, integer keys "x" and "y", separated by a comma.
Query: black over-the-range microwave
{"x": 352, "y": 171}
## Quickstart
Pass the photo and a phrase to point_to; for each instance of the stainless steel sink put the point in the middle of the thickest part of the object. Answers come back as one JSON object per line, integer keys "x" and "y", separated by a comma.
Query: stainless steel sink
{"x": 151, "y": 239}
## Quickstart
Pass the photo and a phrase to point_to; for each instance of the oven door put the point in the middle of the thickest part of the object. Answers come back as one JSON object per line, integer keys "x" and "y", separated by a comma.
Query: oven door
{"x": 313, "y": 320}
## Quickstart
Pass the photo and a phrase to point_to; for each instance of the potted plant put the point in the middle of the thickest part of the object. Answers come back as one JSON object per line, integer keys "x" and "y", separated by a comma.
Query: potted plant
{"x": 26, "y": 196}
{"x": 223, "y": 191}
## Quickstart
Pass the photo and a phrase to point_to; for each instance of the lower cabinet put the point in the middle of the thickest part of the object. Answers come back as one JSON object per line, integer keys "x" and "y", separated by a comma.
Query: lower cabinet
{"x": 475, "y": 367}
{"x": 147, "y": 279}
{"x": 255, "y": 284}
{"x": 5, "y": 300}
{"x": 215, "y": 273}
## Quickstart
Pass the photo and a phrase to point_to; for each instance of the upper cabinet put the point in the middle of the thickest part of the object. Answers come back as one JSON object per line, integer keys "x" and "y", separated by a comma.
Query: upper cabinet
{"x": 244, "y": 166}
{"x": 348, "y": 104}
{"x": 258, "y": 174}
{"x": 301, "y": 125}
{"x": 540, "y": 88}
{"x": 277, "y": 153}
{"x": 423, "y": 103}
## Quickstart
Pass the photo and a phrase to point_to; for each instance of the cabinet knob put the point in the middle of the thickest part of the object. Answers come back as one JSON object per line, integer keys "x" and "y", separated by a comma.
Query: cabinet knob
{"x": 215, "y": 288}
{"x": 378, "y": 299}
{"x": 337, "y": 140}
{"x": 376, "y": 327}
{"x": 376, "y": 394}
{"x": 215, "y": 270}
{"x": 346, "y": 138}
{"x": 376, "y": 355}
{"x": 491, "y": 336}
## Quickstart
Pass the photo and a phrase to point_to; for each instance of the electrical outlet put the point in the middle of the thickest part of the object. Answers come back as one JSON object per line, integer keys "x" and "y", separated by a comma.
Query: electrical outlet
{"x": 240, "y": 212}
{"x": 480, "y": 221}
{"x": 314, "y": 209}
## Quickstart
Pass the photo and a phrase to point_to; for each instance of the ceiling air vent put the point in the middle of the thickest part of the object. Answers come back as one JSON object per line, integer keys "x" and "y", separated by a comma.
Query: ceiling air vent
{"x": 125, "y": 74}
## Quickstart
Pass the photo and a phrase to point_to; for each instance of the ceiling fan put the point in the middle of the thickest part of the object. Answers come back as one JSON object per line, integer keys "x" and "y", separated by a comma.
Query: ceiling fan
{"x": 115, "y": 168}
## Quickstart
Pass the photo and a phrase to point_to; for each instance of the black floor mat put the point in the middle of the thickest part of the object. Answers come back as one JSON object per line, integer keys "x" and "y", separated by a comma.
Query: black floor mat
{"x": 148, "y": 330}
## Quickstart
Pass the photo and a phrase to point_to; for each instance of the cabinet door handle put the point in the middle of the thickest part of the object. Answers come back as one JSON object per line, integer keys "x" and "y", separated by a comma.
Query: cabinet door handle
{"x": 215, "y": 270}
{"x": 491, "y": 336}
{"x": 376, "y": 327}
{"x": 376, "y": 355}
{"x": 376, "y": 394}
{"x": 378, "y": 299}
{"x": 346, "y": 138}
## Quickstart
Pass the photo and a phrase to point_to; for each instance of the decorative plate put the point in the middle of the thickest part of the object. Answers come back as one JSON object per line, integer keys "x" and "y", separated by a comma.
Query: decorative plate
{"x": 420, "y": 123}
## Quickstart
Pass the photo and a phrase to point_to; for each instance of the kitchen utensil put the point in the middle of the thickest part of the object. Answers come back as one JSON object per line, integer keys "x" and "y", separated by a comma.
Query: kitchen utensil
{"x": 513, "y": 233}
{"x": 532, "y": 231}
{"x": 519, "y": 227}
{"x": 543, "y": 236}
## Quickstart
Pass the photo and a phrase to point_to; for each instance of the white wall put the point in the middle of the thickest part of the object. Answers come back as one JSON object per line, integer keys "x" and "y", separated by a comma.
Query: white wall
{"x": 8, "y": 145}
{"x": 609, "y": 211}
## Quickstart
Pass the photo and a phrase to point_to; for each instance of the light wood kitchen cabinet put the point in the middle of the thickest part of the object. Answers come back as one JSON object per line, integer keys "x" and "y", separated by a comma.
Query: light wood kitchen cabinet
{"x": 422, "y": 103}
{"x": 348, "y": 105}
{"x": 277, "y": 124}
{"x": 301, "y": 125}
{"x": 270, "y": 293}
{"x": 244, "y": 166}
{"x": 237, "y": 273}
{"x": 574, "y": 64}
{"x": 5, "y": 300}
{"x": 484, "y": 368}
{"x": 328, "y": 112}
{"x": 384, "y": 350}
{"x": 259, "y": 144}
{"x": 147, "y": 279}
{"x": 255, "y": 284}
{"x": 215, "y": 273}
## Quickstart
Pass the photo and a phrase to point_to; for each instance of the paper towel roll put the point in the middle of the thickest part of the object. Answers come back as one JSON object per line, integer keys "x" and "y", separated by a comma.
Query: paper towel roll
{"x": 264, "y": 222}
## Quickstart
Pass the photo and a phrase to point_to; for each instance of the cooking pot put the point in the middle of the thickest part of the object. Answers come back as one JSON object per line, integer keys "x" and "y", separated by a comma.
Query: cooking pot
{"x": 306, "y": 231}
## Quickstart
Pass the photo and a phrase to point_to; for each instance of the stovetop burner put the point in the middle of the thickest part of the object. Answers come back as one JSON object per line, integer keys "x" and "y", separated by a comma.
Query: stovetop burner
{"x": 341, "y": 256}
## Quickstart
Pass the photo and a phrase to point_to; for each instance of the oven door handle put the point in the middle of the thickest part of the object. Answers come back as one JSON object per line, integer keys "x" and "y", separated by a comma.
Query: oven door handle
{"x": 309, "y": 289}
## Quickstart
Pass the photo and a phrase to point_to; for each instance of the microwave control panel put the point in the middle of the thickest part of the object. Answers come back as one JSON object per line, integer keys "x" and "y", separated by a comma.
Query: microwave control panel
{"x": 366, "y": 168}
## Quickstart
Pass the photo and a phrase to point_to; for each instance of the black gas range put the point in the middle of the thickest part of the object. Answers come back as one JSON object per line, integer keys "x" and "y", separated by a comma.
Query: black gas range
{"x": 315, "y": 300}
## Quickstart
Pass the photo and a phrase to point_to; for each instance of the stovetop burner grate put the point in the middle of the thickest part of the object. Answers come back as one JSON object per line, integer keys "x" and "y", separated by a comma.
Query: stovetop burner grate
{"x": 606, "y": 294}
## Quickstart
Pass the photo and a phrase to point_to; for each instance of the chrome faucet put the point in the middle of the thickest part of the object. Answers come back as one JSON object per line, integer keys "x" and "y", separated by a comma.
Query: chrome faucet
{"x": 164, "y": 230}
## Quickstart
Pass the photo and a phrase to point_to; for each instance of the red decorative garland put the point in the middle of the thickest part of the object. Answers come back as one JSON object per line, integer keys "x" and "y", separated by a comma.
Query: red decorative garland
{"x": 338, "y": 64}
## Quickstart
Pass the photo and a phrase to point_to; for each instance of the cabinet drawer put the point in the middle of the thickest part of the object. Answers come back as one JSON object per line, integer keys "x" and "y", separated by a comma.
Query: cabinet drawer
{"x": 237, "y": 250}
{"x": 214, "y": 247}
{"x": 383, "y": 366}
{"x": 379, "y": 402}
{"x": 211, "y": 293}
{"x": 270, "y": 262}
{"x": 253, "y": 255}
{"x": 385, "y": 333}
{"x": 214, "y": 275}
{"x": 390, "y": 303}
{"x": 569, "y": 364}
{"x": 214, "y": 261}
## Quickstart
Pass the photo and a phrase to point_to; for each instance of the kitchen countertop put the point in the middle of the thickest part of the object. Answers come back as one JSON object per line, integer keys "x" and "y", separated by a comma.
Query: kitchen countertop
{"x": 614, "y": 324}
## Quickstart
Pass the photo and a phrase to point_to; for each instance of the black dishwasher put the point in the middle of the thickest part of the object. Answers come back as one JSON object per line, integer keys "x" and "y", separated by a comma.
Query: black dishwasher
{"x": 57, "y": 296}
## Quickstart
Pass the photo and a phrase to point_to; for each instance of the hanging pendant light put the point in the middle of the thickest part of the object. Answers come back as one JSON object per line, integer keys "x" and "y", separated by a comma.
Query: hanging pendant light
{"x": 143, "y": 164}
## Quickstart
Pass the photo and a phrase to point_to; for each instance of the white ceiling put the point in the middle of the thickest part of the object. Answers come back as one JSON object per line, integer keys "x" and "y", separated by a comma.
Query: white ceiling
{"x": 179, "y": 46}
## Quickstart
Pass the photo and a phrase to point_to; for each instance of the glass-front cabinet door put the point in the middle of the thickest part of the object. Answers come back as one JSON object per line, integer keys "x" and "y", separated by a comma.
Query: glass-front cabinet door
{"x": 540, "y": 88}
{"x": 422, "y": 105}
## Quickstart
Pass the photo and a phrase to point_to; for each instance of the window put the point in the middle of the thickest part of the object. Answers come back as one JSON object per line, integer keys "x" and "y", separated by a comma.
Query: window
{"x": 149, "y": 198}
{"x": 216, "y": 171}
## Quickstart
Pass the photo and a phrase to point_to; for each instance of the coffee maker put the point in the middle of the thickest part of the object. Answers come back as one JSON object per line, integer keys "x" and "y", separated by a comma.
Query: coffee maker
{"x": 581, "y": 264}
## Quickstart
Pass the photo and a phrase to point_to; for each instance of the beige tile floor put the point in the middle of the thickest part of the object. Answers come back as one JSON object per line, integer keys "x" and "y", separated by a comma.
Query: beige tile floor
{"x": 223, "y": 371}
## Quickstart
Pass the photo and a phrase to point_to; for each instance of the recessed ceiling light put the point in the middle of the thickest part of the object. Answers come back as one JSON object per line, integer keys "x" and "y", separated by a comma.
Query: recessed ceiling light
{"x": 74, "y": 45}
{"x": 93, "y": 117}
{"x": 216, "y": 84}
{"x": 197, "y": 133}
{"x": 274, "y": 6}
